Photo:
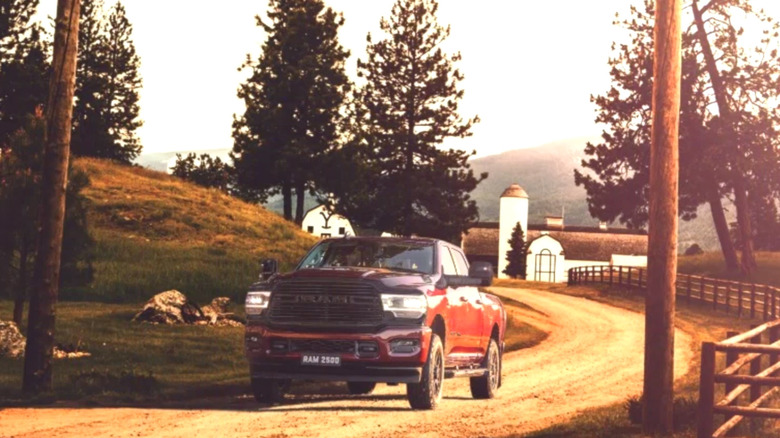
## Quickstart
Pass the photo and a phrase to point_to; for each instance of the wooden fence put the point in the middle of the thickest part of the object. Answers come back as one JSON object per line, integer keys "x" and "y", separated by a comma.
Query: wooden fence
{"x": 733, "y": 297}
{"x": 744, "y": 396}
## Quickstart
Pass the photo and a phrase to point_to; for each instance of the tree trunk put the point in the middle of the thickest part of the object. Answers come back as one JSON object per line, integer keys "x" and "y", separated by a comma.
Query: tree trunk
{"x": 287, "y": 198}
{"x": 21, "y": 290}
{"x": 59, "y": 112}
{"x": 300, "y": 193}
{"x": 722, "y": 228}
{"x": 662, "y": 246}
{"x": 737, "y": 174}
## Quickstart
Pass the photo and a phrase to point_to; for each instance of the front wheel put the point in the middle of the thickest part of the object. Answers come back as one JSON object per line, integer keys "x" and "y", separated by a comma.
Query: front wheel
{"x": 360, "y": 388}
{"x": 427, "y": 393}
{"x": 269, "y": 390}
{"x": 487, "y": 385}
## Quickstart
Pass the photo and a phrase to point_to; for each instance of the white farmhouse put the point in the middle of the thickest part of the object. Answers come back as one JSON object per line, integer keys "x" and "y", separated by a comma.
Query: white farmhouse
{"x": 553, "y": 248}
{"x": 323, "y": 223}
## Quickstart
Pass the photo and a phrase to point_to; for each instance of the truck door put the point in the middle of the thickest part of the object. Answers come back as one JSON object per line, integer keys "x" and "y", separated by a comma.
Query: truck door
{"x": 471, "y": 316}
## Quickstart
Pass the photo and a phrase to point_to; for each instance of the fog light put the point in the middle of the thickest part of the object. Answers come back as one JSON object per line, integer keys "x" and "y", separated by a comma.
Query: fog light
{"x": 405, "y": 346}
{"x": 368, "y": 348}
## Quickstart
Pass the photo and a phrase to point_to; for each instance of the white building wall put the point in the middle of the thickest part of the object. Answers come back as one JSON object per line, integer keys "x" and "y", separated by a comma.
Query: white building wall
{"x": 321, "y": 223}
{"x": 629, "y": 260}
{"x": 511, "y": 211}
{"x": 538, "y": 246}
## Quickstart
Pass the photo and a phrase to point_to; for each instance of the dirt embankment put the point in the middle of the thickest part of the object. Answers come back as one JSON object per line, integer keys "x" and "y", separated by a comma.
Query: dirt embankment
{"x": 593, "y": 357}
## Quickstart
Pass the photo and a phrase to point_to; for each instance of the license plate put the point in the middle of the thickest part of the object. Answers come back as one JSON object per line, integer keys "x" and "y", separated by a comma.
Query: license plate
{"x": 324, "y": 360}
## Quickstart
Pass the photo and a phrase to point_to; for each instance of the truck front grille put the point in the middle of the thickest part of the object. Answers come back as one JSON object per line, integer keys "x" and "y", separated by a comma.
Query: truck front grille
{"x": 325, "y": 304}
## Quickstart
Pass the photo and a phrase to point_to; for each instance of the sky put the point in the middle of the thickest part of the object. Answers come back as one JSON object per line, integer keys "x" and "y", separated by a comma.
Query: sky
{"x": 530, "y": 66}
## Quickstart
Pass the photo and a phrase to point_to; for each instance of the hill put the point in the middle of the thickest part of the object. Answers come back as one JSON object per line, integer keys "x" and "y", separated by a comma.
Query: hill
{"x": 547, "y": 174}
{"x": 154, "y": 232}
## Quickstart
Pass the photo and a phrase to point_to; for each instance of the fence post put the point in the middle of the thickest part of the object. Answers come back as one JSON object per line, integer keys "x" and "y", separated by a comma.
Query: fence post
{"x": 755, "y": 368}
{"x": 688, "y": 289}
{"x": 701, "y": 290}
{"x": 715, "y": 295}
{"x": 601, "y": 274}
{"x": 774, "y": 304}
{"x": 753, "y": 300}
{"x": 640, "y": 277}
{"x": 739, "y": 301}
{"x": 629, "y": 277}
{"x": 706, "y": 390}
{"x": 620, "y": 276}
{"x": 611, "y": 272}
{"x": 766, "y": 303}
{"x": 728, "y": 296}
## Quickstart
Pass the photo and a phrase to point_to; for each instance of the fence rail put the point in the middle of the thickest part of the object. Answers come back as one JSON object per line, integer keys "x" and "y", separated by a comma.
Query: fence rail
{"x": 744, "y": 395}
{"x": 743, "y": 299}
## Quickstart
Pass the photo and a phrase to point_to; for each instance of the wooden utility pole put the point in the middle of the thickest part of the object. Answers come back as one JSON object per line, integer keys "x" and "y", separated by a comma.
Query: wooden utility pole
{"x": 59, "y": 111}
{"x": 662, "y": 246}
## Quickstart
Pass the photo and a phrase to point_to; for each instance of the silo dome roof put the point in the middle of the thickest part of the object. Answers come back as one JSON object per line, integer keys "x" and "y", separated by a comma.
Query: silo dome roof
{"x": 514, "y": 191}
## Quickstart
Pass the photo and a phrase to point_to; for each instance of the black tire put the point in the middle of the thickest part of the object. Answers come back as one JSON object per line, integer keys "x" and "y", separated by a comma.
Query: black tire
{"x": 487, "y": 385}
{"x": 427, "y": 393}
{"x": 359, "y": 388}
{"x": 269, "y": 390}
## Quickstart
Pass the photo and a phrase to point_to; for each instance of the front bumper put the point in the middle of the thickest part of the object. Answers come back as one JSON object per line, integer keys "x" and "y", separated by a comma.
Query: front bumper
{"x": 382, "y": 366}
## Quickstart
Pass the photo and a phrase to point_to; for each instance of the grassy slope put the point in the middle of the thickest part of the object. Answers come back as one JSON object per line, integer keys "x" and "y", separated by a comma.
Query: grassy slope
{"x": 155, "y": 232}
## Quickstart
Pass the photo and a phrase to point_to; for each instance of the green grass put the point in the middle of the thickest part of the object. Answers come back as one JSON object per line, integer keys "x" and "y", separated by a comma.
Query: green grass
{"x": 184, "y": 362}
{"x": 711, "y": 264}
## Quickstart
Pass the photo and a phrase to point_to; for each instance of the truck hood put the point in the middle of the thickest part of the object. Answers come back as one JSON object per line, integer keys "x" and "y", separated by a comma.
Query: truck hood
{"x": 388, "y": 278}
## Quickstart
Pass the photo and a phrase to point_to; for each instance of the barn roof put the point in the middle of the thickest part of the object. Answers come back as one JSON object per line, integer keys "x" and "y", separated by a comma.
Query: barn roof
{"x": 579, "y": 243}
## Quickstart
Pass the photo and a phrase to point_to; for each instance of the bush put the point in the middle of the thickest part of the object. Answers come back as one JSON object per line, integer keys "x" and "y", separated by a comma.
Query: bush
{"x": 694, "y": 249}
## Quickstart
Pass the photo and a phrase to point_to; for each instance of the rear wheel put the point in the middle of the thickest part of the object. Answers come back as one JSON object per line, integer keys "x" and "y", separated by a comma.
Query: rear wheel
{"x": 358, "y": 388}
{"x": 487, "y": 385}
{"x": 427, "y": 393}
{"x": 269, "y": 390}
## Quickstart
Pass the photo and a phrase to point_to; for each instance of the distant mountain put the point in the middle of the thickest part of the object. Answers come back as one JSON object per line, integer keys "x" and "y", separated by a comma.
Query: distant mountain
{"x": 547, "y": 174}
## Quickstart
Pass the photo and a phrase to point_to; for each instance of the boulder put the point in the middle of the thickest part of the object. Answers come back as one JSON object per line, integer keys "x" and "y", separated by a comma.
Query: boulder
{"x": 169, "y": 307}
{"x": 11, "y": 340}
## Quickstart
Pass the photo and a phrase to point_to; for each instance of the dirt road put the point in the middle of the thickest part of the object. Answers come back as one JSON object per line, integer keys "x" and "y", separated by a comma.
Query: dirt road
{"x": 593, "y": 357}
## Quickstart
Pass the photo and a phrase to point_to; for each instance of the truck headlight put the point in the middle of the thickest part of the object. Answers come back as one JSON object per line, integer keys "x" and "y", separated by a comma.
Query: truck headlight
{"x": 405, "y": 306}
{"x": 257, "y": 302}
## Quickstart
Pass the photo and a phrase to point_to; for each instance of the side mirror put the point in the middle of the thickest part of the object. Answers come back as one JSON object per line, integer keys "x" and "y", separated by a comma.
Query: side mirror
{"x": 269, "y": 268}
{"x": 482, "y": 271}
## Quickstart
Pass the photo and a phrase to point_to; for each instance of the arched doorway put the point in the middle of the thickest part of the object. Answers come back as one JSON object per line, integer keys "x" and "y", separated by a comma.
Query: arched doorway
{"x": 544, "y": 266}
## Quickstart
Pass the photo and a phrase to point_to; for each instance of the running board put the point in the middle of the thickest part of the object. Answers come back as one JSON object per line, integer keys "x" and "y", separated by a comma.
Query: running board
{"x": 468, "y": 372}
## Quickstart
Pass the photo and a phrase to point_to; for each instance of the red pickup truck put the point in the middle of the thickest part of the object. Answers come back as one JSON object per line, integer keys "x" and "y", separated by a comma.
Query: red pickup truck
{"x": 368, "y": 310}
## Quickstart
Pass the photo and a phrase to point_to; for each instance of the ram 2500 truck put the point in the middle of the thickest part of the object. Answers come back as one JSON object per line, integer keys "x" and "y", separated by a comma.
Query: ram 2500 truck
{"x": 371, "y": 310}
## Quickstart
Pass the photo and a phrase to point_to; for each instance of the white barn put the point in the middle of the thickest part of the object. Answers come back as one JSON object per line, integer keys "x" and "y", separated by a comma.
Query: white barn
{"x": 553, "y": 247}
{"x": 323, "y": 223}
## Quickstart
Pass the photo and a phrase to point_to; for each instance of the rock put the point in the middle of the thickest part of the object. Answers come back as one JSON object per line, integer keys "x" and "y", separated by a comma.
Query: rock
{"x": 170, "y": 307}
{"x": 11, "y": 340}
{"x": 217, "y": 308}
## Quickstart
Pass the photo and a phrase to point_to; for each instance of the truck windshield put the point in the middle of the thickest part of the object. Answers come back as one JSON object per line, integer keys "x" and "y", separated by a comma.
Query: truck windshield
{"x": 396, "y": 255}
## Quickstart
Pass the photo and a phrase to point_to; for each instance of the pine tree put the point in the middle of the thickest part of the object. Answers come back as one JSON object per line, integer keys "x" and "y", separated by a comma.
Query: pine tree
{"x": 106, "y": 114}
{"x": 15, "y": 18}
{"x": 293, "y": 101}
{"x": 411, "y": 100}
{"x": 517, "y": 254}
